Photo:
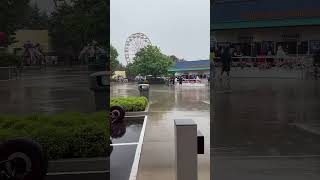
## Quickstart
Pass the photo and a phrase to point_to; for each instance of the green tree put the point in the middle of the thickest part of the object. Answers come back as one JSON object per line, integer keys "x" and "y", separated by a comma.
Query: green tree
{"x": 12, "y": 16}
{"x": 121, "y": 67}
{"x": 114, "y": 58}
{"x": 75, "y": 24}
{"x": 130, "y": 71}
{"x": 176, "y": 59}
{"x": 150, "y": 61}
{"x": 35, "y": 19}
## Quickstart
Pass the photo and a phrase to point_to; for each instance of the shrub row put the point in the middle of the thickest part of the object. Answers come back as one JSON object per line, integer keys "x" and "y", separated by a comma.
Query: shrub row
{"x": 130, "y": 104}
{"x": 68, "y": 135}
{"x": 7, "y": 59}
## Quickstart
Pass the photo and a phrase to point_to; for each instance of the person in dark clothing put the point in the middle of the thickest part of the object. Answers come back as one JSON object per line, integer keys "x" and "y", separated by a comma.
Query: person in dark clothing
{"x": 316, "y": 58}
{"x": 316, "y": 63}
{"x": 226, "y": 59}
{"x": 180, "y": 80}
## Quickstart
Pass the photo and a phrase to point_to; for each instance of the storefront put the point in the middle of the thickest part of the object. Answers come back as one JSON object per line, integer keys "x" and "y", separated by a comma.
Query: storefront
{"x": 259, "y": 27}
{"x": 192, "y": 69}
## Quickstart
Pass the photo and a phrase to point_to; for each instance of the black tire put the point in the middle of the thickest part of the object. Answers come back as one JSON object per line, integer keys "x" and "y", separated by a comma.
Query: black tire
{"x": 28, "y": 156}
{"x": 117, "y": 113}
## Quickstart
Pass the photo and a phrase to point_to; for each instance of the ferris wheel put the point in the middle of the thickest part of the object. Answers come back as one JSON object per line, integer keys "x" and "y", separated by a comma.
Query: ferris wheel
{"x": 134, "y": 44}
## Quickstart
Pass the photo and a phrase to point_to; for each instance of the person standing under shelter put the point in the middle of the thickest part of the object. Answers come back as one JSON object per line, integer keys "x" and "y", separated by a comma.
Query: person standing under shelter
{"x": 180, "y": 80}
{"x": 316, "y": 63}
{"x": 280, "y": 55}
{"x": 226, "y": 59}
{"x": 212, "y": 63}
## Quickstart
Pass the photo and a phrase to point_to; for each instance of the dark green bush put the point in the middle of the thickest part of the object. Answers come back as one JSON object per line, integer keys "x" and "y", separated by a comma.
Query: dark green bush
{"x": 68, "y": 135}
{"x": 130, "y": 104}
{"x": 7, "y": 59}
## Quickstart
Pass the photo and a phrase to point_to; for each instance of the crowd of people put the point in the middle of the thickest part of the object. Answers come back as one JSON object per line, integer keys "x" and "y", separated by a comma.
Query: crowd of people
{"x": 186, "y": 78}
{"x": 229, "y": 56}
{"x": 121, "y": 79}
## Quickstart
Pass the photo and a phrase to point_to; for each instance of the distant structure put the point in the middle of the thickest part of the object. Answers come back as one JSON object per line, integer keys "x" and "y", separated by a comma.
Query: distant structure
{"x": 260, "y": 27}
{"x": 200, "y": 68}
{"x": 135, "y": 42}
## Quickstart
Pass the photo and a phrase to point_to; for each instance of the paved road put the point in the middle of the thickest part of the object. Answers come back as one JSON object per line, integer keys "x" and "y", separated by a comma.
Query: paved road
{"x": 254, "y": 118}
{"x": 52, "y": 91}
{"x": 265, "y": 168}
{"x": 82, "y": 169}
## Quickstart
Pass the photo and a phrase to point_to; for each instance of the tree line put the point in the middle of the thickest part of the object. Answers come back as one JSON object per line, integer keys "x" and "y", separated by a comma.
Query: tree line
{"x": 148, "y": 61}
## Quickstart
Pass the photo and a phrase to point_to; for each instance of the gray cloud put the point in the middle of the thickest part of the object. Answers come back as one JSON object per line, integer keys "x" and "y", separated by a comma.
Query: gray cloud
{"x": 178, "y": 27}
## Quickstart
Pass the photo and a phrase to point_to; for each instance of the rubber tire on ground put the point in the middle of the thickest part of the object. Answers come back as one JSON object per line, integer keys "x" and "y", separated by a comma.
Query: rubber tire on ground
{"x": 121, "y": 112}
{"x": 33, "y": 150}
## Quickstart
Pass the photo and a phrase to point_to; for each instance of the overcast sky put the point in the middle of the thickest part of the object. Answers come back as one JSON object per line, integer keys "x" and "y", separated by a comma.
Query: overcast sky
{"x": 178, "y": 27}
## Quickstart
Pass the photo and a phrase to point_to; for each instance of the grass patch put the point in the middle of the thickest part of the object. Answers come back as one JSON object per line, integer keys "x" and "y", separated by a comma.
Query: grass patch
{"x": 130, "y": 104}
{"x": 67, "y": 135}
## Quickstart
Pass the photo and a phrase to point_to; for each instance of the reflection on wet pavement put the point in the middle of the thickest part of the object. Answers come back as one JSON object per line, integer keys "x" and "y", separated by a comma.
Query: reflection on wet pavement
{"x": 121, "y": 161}
{"x": 127, "y": 131}
{"x": 53, "y": 91}
{"x": 169, "y": 103}
{"x": 122, "y": 156}
{"x": 166, "y": 98}
{"x": 257, "y": 117}
{"x": 256, "y": 128}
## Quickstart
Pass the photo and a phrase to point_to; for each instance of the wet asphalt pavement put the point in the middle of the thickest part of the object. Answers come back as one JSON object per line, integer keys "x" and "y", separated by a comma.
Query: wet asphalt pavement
{"x": 123, "y": 155}
{"x": 256, "y": 126}
{"x": 169, "y": 103}
{"x": 255, "y": 122}
{"x": 52, "y": 91}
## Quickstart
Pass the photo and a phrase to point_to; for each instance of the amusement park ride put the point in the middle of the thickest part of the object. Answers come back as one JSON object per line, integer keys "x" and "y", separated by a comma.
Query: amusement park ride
{"x": 134, "y": 43}
{"x": 95, "y": 56}
{"x": 32, "y": 55}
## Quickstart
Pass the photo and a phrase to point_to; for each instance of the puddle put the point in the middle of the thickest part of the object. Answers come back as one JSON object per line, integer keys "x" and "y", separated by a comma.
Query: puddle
{"x": 121, "y": 161}
{"x": 122, "y": 156}
{"x": 127, "y": 131}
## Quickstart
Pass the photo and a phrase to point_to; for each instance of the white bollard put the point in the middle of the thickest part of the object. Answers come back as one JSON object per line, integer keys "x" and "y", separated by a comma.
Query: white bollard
{"x": 186, "y": 149}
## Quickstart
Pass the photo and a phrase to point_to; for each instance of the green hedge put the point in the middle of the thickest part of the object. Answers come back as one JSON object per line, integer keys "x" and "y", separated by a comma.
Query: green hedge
{"x": 7, "y": 59}
{"x": 130, "y": 104}
{"x": 68, "y": 135}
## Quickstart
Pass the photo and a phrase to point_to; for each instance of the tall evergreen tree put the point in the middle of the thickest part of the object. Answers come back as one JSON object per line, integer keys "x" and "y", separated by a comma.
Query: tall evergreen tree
{"x": 12, "y": 16}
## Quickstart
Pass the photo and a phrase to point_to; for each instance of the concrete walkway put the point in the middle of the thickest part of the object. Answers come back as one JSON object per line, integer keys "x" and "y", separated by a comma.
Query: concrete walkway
{"x": 157, "y": 156}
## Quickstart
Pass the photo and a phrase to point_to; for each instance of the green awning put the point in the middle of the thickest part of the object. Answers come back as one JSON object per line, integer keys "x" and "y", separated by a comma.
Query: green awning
{"x": 188, "y": 69}
{"x": 266, "y": 23}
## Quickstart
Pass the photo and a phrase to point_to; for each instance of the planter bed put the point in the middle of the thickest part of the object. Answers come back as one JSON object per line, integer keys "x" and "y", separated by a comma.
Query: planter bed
{"x": 67, "y": 135}
{"x": 134, "y": 106}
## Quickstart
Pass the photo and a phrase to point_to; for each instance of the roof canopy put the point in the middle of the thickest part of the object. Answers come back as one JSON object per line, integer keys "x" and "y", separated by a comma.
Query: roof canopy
{"x": 191, "y": 66}
{"x": 231, "y": 14}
